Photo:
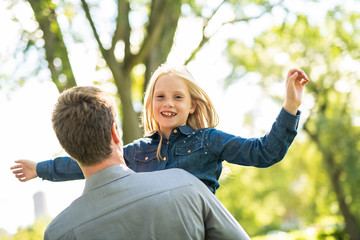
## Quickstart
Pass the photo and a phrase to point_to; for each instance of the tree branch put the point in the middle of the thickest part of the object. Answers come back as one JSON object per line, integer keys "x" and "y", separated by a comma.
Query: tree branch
{"x": 156, "y": 25}
{"x": 96, "y": 35}
{"x": 44, "y": 12}
{"x": 205, "y": 39}
{"x": 122, "y": 30}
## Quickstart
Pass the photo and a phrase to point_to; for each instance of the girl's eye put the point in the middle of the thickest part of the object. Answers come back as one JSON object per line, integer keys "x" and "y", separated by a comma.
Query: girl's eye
{"x": 178, "y": 97}
{"x": 160, "y": 96}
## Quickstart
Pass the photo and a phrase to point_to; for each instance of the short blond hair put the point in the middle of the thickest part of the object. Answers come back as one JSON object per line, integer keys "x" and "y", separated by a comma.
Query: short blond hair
{"x": 204, "y": 114}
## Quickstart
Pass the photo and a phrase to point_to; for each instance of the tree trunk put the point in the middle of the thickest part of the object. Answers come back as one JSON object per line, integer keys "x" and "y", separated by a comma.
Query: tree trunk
{"x": 130, "y": 118}
{"x": 55, "y": 48}
{"x": 334, "y": 172}
{"x": 160, "y": 51}
{"x": 351, "y": 225}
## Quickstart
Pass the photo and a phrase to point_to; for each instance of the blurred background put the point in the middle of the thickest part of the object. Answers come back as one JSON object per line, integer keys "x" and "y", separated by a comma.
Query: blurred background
{"x": 239, "y": 52}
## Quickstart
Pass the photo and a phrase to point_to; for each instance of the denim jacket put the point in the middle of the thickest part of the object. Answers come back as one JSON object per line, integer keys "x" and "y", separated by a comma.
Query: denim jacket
{"x": 199, "y": 152}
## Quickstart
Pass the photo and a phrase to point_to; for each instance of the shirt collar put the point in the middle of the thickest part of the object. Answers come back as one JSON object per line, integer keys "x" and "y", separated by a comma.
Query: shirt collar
{"x": 185, "y": 129}
{"x": 106, "y": 176}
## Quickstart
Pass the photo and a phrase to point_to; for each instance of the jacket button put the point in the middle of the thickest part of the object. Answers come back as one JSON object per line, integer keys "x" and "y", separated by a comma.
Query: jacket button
{"x": 175, "y": 131}
{"x": 146, "y": 158}
{"x": 164, "y": 158}
{"x": 189, "y": 151}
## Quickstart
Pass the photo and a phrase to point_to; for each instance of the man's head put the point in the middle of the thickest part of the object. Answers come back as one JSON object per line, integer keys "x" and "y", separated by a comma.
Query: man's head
{"x": 83, "y": 119}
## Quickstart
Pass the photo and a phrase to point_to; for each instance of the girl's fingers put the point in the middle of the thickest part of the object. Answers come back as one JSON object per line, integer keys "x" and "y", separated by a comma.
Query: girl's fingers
{"x": 300, "y": 72}
{"x": 19, "y": 176}
{"x": 304, "y": 81}
{"x": 21, "y": 161}
{"x": 302, "y": 77}
{"x": 17, "y": 171}
{"x": 292, "y": 71}
{"x": 303, "y": 74}
{"x": 294, "y": 76}
{"x": 16, "y": 166}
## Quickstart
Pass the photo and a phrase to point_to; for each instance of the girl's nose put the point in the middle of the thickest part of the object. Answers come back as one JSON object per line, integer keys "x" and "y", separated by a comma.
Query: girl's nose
{"x": 169, "y": 103}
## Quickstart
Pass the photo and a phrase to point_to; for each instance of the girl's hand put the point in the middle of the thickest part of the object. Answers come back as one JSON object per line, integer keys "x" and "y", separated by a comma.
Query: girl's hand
{"x": 24, "y": 170}
{"x": 295, "y": 83}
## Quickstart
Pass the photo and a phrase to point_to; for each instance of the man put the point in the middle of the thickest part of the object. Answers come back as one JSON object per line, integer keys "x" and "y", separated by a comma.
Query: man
{"x": 118, "y": 203}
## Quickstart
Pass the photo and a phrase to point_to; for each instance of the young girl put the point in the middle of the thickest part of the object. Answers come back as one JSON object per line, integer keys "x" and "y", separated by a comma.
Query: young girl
{"x": 179, "y": 120}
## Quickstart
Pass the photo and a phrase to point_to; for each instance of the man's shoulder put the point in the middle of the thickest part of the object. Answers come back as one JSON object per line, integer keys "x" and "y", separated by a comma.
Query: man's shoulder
{"x": 173, "y": 178}
{"x": 173, "y": 173}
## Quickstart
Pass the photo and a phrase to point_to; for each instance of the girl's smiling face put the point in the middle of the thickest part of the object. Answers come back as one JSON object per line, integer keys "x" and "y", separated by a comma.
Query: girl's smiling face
{"x": 171, "y": 103}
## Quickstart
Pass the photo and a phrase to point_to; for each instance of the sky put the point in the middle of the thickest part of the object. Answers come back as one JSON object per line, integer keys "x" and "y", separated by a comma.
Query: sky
{"x": 25, "y": 122}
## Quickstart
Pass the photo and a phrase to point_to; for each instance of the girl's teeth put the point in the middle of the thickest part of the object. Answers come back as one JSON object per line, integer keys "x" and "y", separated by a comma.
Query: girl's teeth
{"x": 169, "y": 114}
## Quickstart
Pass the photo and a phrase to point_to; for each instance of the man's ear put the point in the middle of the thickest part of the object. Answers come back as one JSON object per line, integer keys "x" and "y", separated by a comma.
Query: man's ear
{"x": 115, "y": 133}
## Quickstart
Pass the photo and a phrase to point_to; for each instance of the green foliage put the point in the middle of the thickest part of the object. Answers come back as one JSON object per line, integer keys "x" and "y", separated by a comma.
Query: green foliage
{"x": 288, "y": 195}
{"x": 247, "y": 196}
{"x": 33, "y": 232}
{"x": 4, "y": 235}
{"x": 297, "y": 192}
{"x": 330, "y": 232}
{"x": 318, "y": 176}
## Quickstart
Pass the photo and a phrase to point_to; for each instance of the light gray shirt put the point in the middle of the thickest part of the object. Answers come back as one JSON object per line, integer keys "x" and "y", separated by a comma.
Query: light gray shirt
{"x": 118, "y": 203}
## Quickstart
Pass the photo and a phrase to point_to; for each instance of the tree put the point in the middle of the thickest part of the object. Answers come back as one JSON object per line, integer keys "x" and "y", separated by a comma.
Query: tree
{"x": 55, "y": 49}
{"x": 321, "y": 52}
{"x": 162, "y": 18}
{"x": 329, "y": 55}
{"x": 122, "y": 54}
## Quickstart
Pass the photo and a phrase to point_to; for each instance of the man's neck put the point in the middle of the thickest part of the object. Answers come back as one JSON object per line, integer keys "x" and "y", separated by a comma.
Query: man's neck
{"x": 90, "y": 170}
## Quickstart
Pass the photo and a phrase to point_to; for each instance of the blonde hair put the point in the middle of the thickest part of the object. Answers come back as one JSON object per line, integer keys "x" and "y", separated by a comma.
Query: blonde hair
{"x": 203, "y": 116}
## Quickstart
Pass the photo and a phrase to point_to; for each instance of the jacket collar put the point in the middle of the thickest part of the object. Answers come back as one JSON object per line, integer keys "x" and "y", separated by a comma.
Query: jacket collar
{"x": 185, "y": 129}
